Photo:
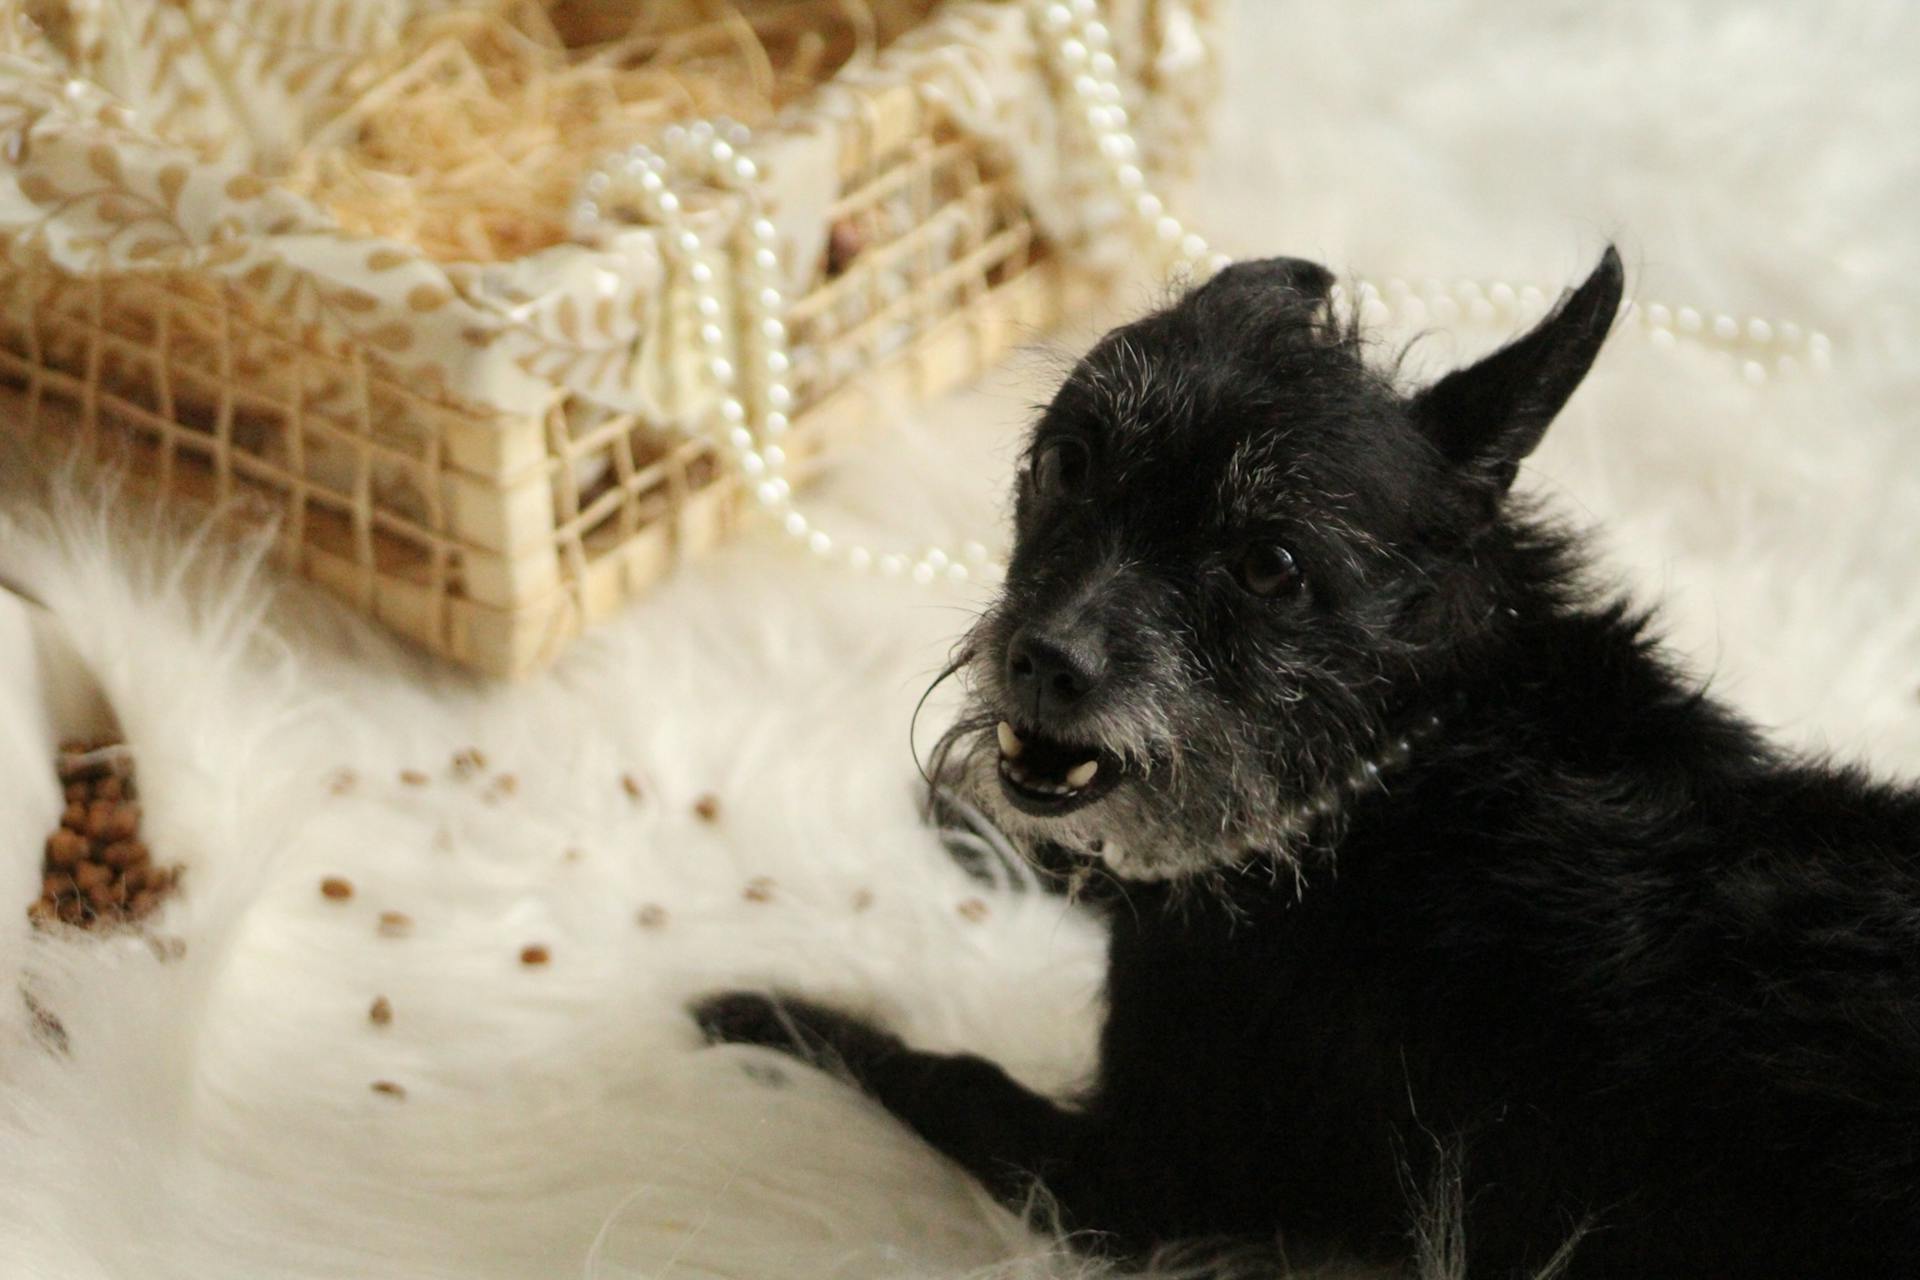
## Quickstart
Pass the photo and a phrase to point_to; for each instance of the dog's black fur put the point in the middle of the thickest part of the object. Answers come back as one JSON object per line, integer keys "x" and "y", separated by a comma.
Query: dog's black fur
{"x": 1593, "y": 950}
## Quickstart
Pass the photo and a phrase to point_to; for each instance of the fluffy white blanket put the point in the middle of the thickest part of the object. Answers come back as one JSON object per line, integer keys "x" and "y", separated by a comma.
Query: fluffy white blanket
{"x": 214, "y": 1116}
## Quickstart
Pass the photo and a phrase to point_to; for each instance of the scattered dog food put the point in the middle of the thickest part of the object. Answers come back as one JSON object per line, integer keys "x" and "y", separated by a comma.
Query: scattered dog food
{"x": 469, "y": 762}
{"x": 395, "y": 924}
{"x": 389, "y": 1089}
{"x": 343, "y": 782}
{"x": 707, "y": 808}
{"x": 414, "y": 778}
{"x": 380, "y": 1013}
{"x": 652, "y": 916}
{"x": 862, "y": 899}
{"x": 534, "y": 954}
{"x": 759, "y": 889}
{"x": 973, "y": 909}
{"x": 336, "y": 888}
{"x": 630, "y": 785}
{"x": 96, "y": 870}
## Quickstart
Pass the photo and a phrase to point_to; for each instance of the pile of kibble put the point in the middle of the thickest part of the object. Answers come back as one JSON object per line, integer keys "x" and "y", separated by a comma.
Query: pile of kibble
{"x": 98, "y": 872}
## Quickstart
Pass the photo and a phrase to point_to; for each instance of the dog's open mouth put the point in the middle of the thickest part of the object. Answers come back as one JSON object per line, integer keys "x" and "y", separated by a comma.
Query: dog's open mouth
{"x": 1047, "y": 777}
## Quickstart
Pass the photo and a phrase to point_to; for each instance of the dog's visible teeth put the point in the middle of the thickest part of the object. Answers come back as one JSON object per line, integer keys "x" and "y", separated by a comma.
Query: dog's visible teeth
{"x": 1010, "y": 744}
{"x": 1081, "y": 774}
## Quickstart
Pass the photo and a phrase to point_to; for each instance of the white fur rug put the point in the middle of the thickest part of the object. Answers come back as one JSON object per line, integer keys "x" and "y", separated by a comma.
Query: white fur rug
{"x": 214, "y": 1117}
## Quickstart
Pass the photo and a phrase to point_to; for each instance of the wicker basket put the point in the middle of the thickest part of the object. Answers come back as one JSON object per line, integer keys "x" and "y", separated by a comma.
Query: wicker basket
{"x": 488, "y": 457}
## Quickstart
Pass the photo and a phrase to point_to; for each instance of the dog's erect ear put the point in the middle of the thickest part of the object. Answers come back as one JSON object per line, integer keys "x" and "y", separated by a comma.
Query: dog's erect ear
{"x": 1488, "y": 416}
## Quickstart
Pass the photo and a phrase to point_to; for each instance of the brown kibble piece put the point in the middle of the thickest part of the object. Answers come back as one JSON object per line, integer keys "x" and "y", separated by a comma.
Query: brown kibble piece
{"x": 41, "y": 913}
{"x": 71, "y": 910}
{"x": 106, "y": 894}
{"x": 65, "y": 848}
{"x": 707, "y": 808}
{"x": 343, "y": 782}
{"x": 759, "y": 889}
{"x": 78, "y": 793}
{"x": 469, "y": 762}
{"x": 534, "y": 954}
{"x": 395, "y": 924}
{"x": 413, "y": 778}
{"x": 108, "y": 788}
{"x": 74, "y": 818}
{"x": 973, "y": 909}
{"x": 630, "y": 785}
{"x": 100, "y": 817}
{"x": 122, "y": 854}
{"x": 143, "y": 903}
{"x": 389, "y": 1089}
{"x": 91, "y": 874}
{"x": 844, "y": 243}
{"x": 58, "y": 885}
{"x": 862, "y": 899}
{"x": 336, "y": 888}
{"x": 652, "y": 916}
{"x": 123, "y": 820}
{"x": 381, "y": 1011}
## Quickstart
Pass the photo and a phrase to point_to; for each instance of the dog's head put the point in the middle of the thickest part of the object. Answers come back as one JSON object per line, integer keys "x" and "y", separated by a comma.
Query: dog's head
{"x": 1240, "y": 555}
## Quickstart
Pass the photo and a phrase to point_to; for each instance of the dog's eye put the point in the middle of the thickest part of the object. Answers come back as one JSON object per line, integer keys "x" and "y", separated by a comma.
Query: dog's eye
{"x": 1267, "y": 570}
{"x": 1059, "y": 468}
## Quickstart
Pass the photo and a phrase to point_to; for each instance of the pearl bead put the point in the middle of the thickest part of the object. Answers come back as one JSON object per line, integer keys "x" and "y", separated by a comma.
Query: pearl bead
{"x": 721, "y": 153}
{"x": 721, "y": 368}
{"x": 769, "y": 298}
{"x": 711, "y": 335}
{"x": 1726, "y": 328}
{"x": 773, "y": 330}
{"x": 762, "y": 229}
{"x": 779, "y": 397}
{"x": 740, "y": 438}
{"x": 1148, "y": 206}
{"x": 1754, "y": 372}
{"x": 975, "y": 552}
{"x": 732, "y": 410}
{"x": 1663, "y": 339}
{"x": 777, "y": 362}
{"x": 745, "y": 170}
{"x": 776, "y": 423}
{"x": 1501, "y": 295}
{"x": 688, "y": 242}
{"x": 1130, "y": 177}
{"x": 708, "y": 306}
{"x": 766, "y": 259}
{"x": 796, "y": 524}
{"x": 769, "y": 496}
{"x": 1103, "y": 65}
{"x": 700, "y": 273}
{"x": 1192, "y": 246}
{"x": 819, "y": 543}
{"x": 860, "y": 558}
{"x": 1168, "y": 229}
{"x": 1688, "y": 320}
{"x": 1759, "y": 331}
{"x": 776, "y": 456}
{"x": 1056, "y": 17}
{"x": 937, "y": 558}
{"x": 923, "y": 574}
{"x": 667, "y": 203}
{"x": 752, "y": 464}
{"x": 1659, "y": 316}
{"x": 893, "y": 565}
{"x": 1073, "y": 52}
{"x": 957, "y": 573}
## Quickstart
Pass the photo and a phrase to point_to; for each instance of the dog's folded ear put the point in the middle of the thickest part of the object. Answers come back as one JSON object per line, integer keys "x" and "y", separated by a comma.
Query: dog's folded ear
{"x": 1488, "y": 416}
{"x": 1311, "y": 281}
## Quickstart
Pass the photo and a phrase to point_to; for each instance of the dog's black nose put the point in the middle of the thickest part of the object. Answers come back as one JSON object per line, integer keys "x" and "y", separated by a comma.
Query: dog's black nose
{"x": 1049, "y": 675}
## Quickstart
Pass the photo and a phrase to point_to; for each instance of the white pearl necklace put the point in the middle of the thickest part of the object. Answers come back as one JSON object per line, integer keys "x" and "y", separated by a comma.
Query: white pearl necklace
{"x": 752, "y": 413}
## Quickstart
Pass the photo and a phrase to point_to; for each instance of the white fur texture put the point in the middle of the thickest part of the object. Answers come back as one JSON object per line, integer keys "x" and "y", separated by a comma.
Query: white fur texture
{"x": 214, "y": 1117}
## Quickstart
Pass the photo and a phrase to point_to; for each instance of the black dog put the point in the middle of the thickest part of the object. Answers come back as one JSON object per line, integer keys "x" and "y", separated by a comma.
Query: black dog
{"x": 1432, "y": 872}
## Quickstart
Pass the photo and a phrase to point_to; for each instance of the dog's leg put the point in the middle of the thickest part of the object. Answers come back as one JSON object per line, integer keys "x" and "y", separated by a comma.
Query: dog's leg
{"x": 970, "y": 1110}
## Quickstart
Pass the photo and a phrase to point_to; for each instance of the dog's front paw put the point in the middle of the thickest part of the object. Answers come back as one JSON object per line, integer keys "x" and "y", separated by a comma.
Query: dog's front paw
{"x": 806, "y": 1030}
